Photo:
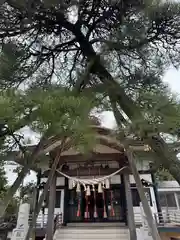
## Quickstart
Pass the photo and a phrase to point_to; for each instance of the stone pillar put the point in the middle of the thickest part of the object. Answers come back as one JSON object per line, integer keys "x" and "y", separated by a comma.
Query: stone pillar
{"x": 23, "y": 215}
{"x": 51, "y": 206}
{"x": 129, "y": 204}
{"x": 22, "y": 222}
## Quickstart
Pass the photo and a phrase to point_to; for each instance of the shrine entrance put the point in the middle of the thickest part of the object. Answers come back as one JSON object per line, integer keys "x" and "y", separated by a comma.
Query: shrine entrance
{"x": 107, "y": 206}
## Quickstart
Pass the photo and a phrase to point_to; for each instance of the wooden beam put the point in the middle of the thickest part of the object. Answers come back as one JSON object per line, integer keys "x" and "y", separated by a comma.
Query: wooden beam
{"x": 89, "y": 172}
{"x": 79, "y": 158}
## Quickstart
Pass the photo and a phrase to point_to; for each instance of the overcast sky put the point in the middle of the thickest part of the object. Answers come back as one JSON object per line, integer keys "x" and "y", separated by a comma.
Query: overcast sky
{"x": 172, "y": 77}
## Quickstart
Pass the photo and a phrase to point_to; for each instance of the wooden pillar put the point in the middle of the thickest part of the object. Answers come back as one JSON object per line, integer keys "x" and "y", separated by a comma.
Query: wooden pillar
{"x": 145, "y": 205}
{"x": 66, "y": 202}
{"x": 130, "y": 212}
{"x": 124, "y": 204}
{"x": 51, "y": 206}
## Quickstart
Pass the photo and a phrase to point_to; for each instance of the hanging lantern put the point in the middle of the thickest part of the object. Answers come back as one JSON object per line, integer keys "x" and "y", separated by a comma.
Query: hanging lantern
{"x": 88, "y": 192}
{"x": 107, "y": 183}
{"x": 78, "y": 188}
{"x": 100, "y": 188}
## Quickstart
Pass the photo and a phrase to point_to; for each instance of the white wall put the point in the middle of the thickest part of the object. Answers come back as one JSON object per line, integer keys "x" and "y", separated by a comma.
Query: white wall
{"x": 137, "y": 210}
{"x": 168, "y": 186}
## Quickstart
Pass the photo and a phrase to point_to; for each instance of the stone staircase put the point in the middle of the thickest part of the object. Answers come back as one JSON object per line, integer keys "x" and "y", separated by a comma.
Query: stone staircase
{"x": 92, "y": 232}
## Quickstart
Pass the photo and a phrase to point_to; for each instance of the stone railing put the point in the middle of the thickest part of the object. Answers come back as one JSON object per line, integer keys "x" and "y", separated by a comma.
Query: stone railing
{"x": 161, "y": 218}
{"x": 41, "y": 221}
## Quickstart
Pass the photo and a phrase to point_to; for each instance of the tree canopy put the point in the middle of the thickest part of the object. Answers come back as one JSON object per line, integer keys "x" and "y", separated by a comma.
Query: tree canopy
{"x": 60, "y": 59}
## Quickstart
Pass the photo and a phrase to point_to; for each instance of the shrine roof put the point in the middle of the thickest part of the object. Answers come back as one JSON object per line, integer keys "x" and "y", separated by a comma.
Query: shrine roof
{"x": 106, "y": 144}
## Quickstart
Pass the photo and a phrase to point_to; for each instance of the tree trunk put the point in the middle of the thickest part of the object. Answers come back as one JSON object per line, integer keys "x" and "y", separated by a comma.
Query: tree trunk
{"x": 118, "y": 116}
{"x": 146, "y": 207}
{"x": 43, "y": 195}
{"x": 52, "y": 201}
{"x": 165, "y": 155}
{"x": 30, "y": 160}
{"x": 130, "y": 211}
{"x": 64, "y": 147}
{"x": 13, "y": 189}
{"x": 35, "y": 199}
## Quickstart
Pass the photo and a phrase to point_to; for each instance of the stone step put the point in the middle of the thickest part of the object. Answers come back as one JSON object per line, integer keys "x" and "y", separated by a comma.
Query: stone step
{"x": 91, "y": 233}
{"x": 90, "y": 237}
{"x": 96, "y": 224}
{"x": 122, "y": 237}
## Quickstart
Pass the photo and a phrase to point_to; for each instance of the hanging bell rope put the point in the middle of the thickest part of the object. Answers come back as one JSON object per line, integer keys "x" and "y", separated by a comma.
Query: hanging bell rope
{"x": 104, "y": 201}
{"x": 107, "y": 183}
{"x": 78, "y": 188}
{"x": 100, "y": 190}
{"x": 79, "y": 205}
{"x": 71, "y": 184}
{"x": 112, "y": 205}
{"x": 91, "y": 181}
{"x": 95, "y": 206}
{"x": 88, "y": 191}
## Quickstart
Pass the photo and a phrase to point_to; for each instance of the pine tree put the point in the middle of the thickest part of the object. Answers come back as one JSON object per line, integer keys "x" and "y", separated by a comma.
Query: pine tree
{"x": 56, "y": 112}
{"x": 117, "y": 49}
